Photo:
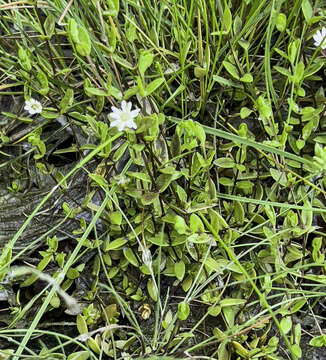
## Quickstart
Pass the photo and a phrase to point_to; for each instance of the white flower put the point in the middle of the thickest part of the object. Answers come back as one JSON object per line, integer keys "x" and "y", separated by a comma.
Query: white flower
{"x": 320, "y": 38}
{"x": 124, "y": 118}
{"x": 33, "y": 106}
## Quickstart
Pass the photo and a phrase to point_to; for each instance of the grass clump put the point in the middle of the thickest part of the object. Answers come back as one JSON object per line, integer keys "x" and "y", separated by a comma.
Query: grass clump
{"x": 176, "y": 150}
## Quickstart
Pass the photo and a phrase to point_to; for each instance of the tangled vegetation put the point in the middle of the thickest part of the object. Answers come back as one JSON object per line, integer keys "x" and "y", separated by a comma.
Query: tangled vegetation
{"x": 177, "y": 152}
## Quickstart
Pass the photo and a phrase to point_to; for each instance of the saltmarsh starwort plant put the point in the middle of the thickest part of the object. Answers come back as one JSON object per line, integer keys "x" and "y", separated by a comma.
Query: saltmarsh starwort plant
{"x": 215, "y": 217}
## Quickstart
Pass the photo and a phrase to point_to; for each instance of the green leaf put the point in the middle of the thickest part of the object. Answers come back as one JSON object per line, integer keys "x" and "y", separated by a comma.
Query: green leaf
{"x": 163, "y": 181}
{"x": 186, "y": 283}
{"x": 81, "y": 324}
{"x": 283, "y": 71}
{"x": 199, "y": 72}
{"x": 199, "y": 238}
{"x": 176, "y": 145}
{"x": 226, "y": 20}
{"x": 299, "y": 72}
{"x": 243, "y": 352}
{"x": 224, "y": 162}
{"x": 247, "y": 78}
{"x": 130, "y": 29}
{"x": 300, "y": 143}
{"x": 179, "y": 269}
{"x": 245, "y": 185}
{"x": 296, "y": 350}
{"x": 297, "y": 305}
{"x": 99, "y": 179}
{"x": 279, "y": 176}
{"x": 80, "y": 37}
{"x": 222, "y": 351}
{"x": 43, "y": 80}
{"x": 231, "y": 69}
{"x": 280, "y": 22}
{"x": 115, "y": 217}
{"x": 115, "y": 244}
{"x": 72, "y": 274}
{"x": 237, "y": 25}
{"x": 199, "y": 132}
{"x": 79, "y": 355}
{"x": 180, "y": 225}
{"x": 314, "y": 67}
{"x": 83, "y": 46}
{"x": 293, "y": 49}
{"x": 307, "y": 10}
{"x": 306, "y": 215}
{"x": 91, "y": 91}
{"x": 183, "y": 310}
{"x": 231, "y": 302}
{"x": 214, "y": 310}
{"x": 152, "y": 86}
{"x": 226, "y": 181}
{"x": 149, "y": 197}
{"x": 55, "y": 301}
{"x": 238, "y": 212}
{"x": 286, "y": 324}
{"x": 130, "y": 256}
{"x": 145, "y": 61}
{"x": 66, "y": 101}
{"x": 318, "y": 341}
{"x": 196, "y": 225}
{"x": 229, "y": 313}
{"x": 160, "y": 239}
{"x": 152, "y": 290}
{"x": 297, "y": 332}
{"x": 282, "y": 53}
{"x": 264, "y": 107}
{"x": 123, "y": 62}
{"x": 113, "y": 8}
{"x": 213, "y": 264}
{"x": 49, "y": 25}
{"x": 73, "y": 30}
{"x": 139, "y": 176}
{"x": 93, "y": 345}
{"x": 116, "y": 93}
{"x": 24, "y": 59}
{"x": 217, "y": 220}
{"x": 226, "y": 82}
{"x": 245, "y": 112}
{"x": 130, "y": 92}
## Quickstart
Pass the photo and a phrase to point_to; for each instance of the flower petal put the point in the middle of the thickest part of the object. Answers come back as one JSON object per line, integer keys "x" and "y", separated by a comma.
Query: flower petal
{"x": 323, "y": 32}
{"x": 114, "y": 109}
{"x": 134, "y": 113}
{"x": 123, "y": 105}
{"x": 114, "y": 123}
{"x": 132, "y": 125}
{"x": 114, "y": 116}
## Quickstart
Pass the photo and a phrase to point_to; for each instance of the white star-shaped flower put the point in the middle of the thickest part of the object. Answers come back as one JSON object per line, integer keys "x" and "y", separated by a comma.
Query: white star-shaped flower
{"x": 320, "y": 38}
{"x": 33, "y": 106}
{"x": 124, "y": 118}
